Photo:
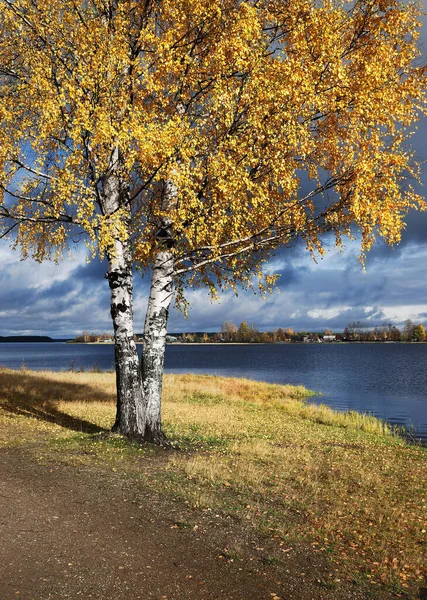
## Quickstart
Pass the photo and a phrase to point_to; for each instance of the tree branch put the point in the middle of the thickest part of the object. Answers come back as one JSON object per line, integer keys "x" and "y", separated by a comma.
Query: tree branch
{"x": 330, "y": 183}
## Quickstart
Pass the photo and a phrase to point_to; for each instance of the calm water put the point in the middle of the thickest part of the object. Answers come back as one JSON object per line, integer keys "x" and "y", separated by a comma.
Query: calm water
{"x": 386, "y": 380}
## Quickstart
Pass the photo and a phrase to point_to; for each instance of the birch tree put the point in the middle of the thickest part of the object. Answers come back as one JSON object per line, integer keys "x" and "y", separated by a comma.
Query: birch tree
{"x": 196, "y": 138}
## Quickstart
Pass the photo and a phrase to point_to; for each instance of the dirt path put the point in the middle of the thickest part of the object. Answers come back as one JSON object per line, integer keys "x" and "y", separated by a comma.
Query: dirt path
{"x": 75, "y": 532}
{"x": 68, "y": 533}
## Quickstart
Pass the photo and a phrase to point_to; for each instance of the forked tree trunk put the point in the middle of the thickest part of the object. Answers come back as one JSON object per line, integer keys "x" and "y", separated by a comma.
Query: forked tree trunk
{"x": 130, "y": 406}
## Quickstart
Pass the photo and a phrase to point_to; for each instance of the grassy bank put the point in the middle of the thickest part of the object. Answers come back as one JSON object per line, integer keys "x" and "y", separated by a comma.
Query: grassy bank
{"x": 342, "y": 485}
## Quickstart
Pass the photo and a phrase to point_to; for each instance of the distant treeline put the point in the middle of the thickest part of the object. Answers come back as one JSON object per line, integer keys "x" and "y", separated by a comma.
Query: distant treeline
{"x": 249, "y": 334}
{"x": 387, "y": 332}
{"x": 86, "y": 338}
{"x": 354, "y": 332}
{"x": 244, "y": 333}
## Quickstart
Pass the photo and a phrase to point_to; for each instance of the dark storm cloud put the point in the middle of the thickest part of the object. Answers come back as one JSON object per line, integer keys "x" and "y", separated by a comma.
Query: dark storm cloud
{"x": 43, "y": 301}
{"x": 58, "y": 306}
{"x": 416, "y": 226}
{"x": 336, "y": 287}
{"x": 289, "y": 273}
{"x": 369, "y": 317}
{"x": 93, "y": 271}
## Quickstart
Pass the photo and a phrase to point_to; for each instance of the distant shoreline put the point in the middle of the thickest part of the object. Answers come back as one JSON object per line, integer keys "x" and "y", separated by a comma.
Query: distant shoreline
{"x": 47, "y": 340}
{"x": 249, "y": 343}
{"x": 30, "y": 339}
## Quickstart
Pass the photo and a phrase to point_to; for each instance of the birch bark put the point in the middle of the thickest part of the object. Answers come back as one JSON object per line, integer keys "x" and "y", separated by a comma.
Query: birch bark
{"x": 130, "y": 406}
{"x": 155, "y": 328}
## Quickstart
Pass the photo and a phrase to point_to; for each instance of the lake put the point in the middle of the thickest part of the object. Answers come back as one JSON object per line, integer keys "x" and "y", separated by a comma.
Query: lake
{"x": 385, "y": 380}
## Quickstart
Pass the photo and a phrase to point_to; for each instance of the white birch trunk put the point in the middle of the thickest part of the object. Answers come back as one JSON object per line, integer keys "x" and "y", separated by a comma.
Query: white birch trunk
{"x": 130, "y": 405}
{"x": 155, "y": 328}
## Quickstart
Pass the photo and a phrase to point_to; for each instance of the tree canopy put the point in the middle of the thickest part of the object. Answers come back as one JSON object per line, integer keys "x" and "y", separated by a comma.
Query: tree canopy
{"x": 242, "y": 104}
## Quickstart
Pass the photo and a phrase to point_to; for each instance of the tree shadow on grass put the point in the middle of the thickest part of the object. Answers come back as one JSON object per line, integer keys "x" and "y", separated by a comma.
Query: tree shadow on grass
{"x": 27, "y": 394}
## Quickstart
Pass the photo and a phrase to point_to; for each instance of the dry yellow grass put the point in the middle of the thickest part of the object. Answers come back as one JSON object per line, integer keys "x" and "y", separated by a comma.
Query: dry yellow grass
{"x": 301, "y": 473}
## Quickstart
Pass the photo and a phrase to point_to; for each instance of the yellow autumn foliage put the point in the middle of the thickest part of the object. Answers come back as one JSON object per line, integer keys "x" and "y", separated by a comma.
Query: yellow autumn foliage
{"x": 274, "y": 120}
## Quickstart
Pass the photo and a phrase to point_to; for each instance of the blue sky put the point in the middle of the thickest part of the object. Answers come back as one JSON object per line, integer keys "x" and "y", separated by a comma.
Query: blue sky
{"x": 66, "y": 299}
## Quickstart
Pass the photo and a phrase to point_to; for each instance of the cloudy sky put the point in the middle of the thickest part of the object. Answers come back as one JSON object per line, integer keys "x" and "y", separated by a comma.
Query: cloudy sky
{"x": 64, "y": 300}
